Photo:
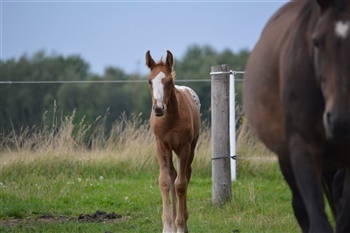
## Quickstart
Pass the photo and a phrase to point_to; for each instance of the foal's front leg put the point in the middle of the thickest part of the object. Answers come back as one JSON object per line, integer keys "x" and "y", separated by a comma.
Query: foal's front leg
{"x": 181, "y": 183}
{"x": 165, "y": 185}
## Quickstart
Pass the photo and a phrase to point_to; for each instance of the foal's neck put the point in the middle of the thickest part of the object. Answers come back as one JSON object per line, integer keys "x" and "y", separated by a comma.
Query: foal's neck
{"x": 173, "y": 110}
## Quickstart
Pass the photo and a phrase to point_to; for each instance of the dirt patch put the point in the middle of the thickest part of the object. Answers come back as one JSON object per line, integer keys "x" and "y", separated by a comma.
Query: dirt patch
{"x": 98, "y": 216}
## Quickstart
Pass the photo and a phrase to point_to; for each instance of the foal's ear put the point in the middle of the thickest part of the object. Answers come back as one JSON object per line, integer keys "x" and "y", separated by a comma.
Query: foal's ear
{"x": 169, "y": 59}
{"x": 149, "y": 60}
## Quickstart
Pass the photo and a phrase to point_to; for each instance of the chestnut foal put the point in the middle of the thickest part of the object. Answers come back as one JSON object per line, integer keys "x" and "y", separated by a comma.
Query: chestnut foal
{"x": 175, "y": 121}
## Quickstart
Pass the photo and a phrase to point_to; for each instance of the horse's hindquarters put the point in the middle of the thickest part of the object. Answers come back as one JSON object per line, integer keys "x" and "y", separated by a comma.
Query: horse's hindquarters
{"x": 262, "y": 82}
{"x": 261, "y": 100}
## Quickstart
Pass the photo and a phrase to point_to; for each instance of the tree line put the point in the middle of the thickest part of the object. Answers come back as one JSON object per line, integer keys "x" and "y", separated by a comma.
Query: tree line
{"x": 27, "y": 105}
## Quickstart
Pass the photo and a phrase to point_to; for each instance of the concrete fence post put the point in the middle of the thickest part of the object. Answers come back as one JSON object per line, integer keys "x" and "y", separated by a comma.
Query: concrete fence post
{"x": 221, "y": 167}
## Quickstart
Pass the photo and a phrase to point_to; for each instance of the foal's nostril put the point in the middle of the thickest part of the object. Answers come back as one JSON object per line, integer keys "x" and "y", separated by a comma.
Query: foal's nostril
{"x": 158, "y": 111}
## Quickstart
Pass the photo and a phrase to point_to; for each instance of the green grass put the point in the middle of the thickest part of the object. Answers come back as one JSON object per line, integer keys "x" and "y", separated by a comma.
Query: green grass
{"x": 60, "y": 177}
{"x": 58, "y": 186}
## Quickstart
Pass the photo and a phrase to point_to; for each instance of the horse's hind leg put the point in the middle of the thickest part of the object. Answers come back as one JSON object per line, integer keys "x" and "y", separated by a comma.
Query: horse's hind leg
{"x": 297, "y": 202}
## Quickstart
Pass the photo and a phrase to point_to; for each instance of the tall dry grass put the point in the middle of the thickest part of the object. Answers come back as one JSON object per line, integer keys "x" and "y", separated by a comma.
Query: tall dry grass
{"x": 130, "y": 140}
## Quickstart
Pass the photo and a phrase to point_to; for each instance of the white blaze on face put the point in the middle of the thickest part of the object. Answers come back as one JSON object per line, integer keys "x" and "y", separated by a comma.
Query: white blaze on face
{"x": 158, "y": 90}
{"x": 342, "y": 29}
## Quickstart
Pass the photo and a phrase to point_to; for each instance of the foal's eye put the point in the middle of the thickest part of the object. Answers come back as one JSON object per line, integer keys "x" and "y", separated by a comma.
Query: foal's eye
{"x": 170, "y": 83}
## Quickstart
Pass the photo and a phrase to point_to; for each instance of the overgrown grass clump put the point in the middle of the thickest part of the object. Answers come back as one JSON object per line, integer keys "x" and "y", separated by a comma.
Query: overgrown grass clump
{"x": 68, "y": 169}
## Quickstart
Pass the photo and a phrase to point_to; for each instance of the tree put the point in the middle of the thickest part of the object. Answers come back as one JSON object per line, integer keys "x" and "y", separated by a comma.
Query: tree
{"x": 25, "y": 105}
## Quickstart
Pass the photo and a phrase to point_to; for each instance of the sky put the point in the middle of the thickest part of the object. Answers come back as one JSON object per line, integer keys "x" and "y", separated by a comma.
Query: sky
{"x": 119, "y": 33}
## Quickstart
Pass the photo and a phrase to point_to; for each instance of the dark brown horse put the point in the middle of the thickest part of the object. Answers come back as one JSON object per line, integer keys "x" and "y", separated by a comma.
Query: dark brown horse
{"x": 175, "y": 120}
{"x": 297, "y": 100}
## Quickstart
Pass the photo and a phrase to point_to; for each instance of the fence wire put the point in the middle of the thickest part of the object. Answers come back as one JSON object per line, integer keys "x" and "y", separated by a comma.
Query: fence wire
{"x": 99, "y": 81}
{"x": 108, "y": 81}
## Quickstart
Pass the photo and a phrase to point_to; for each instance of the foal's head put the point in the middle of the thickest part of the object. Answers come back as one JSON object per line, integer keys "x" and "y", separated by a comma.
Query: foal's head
{"x": 161, "y": 82}
{"x": 331, "y": 40}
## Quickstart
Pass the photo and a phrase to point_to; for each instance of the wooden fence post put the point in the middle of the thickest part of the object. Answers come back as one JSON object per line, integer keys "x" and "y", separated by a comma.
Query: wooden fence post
{"x": 221, "y": 167}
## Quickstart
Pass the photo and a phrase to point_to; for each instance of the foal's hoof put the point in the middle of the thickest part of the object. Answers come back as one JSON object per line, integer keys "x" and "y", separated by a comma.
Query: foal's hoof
{"x": 185, "y": 230}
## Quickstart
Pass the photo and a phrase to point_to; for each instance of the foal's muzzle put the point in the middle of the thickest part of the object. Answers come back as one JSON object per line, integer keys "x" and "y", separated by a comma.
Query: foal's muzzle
{"x": 158, "y": 111}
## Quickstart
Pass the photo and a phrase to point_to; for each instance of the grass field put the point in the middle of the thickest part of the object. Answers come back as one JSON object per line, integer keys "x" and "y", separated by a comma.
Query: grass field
{"x": 49, "y": 178}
